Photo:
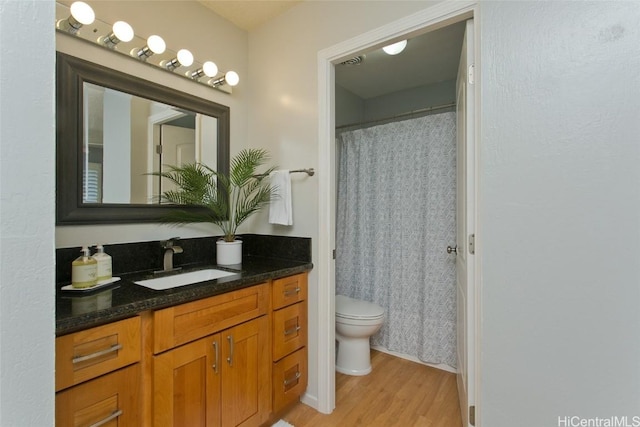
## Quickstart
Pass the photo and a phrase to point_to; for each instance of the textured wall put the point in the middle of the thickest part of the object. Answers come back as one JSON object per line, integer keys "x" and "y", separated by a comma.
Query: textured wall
{"x": 27, "y": 188}
{"x": 559, "y": 211}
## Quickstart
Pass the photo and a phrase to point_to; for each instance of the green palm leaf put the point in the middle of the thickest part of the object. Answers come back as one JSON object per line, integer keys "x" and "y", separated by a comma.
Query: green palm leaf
{"x": 228, "y": 199}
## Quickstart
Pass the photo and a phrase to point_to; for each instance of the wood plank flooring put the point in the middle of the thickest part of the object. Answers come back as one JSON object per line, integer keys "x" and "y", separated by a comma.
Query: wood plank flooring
{"x": 397, "y": 393}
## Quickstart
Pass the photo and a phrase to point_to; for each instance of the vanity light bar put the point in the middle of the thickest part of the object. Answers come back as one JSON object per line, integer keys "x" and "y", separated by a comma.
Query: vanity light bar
{"x": 120, "y": 38}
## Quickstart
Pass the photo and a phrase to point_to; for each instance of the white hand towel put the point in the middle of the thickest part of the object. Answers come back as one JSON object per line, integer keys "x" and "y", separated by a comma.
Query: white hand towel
{"x": 280, "y": 211}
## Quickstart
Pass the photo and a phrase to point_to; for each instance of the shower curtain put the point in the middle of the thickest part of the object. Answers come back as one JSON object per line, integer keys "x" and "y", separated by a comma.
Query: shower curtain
{"x": 395, "y": 218}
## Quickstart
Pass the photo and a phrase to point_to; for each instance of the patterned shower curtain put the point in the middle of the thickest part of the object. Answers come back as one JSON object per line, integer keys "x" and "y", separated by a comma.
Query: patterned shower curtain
{"x": 395, "y": 218}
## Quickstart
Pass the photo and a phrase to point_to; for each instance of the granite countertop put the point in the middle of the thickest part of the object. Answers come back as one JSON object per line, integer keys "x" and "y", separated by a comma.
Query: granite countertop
{"x": 78, "y": 310}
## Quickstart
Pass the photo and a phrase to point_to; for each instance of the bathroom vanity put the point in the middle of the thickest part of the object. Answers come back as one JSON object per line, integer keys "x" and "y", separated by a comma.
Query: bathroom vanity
{"x": 228, "y": 352}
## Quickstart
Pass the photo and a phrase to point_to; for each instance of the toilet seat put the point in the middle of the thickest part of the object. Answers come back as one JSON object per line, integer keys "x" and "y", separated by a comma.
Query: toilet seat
{"x": 353, "y": 309}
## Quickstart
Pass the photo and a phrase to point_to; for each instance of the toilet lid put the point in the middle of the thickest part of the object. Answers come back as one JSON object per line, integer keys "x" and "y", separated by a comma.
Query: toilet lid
{"x": 351, "y": 308}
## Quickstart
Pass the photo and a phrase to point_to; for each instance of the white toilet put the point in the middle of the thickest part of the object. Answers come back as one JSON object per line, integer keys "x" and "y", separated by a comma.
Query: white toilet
{"x": 356, "y": 321}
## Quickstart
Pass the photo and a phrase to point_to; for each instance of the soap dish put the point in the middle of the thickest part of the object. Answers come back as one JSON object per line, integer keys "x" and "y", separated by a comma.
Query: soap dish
{"x": 100, "y": 284}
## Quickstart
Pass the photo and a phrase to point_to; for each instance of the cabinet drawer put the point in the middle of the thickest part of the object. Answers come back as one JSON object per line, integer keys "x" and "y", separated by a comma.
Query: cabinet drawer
{"x": 289, "y": 290}
{"x": 289, "y": 329}
{"x": 113, "y": 399}
{"x": 187, "y": 322}
{"x": 289, "y": 379}
{"x": 96, "y": 351}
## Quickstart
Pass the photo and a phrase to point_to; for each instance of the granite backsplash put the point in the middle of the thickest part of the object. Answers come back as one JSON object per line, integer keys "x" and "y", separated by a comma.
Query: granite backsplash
{"x": 144, "y": 256}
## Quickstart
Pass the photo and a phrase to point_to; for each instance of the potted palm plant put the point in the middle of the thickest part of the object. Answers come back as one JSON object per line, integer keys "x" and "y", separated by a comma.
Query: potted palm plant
{"x": 227, "y": 200}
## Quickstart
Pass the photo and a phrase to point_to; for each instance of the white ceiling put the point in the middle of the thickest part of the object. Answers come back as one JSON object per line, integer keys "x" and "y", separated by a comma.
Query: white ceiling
{"x": 249, "y": 14}
{"x": 428, "y": 59}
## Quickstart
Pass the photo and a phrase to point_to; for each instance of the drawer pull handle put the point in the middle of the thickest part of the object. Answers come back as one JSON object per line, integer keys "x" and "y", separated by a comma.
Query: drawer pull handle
{"x": 289, "y": 292}
{"x": 230, "y": 358}
{"x": 215, "y": 362}
{"x": 111, "y": 349}
{"x": 291, "y": 380}
{"x": 291, "y": 331}
{"x": 113, "y": 416}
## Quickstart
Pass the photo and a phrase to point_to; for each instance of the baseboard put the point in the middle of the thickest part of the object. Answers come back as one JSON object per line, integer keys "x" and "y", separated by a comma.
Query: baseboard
{"x": 311, "y": 401}
{"x": 441, "y": 366}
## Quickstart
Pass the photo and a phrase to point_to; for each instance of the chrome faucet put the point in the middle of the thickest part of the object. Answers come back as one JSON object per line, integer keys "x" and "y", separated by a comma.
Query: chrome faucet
{"x": 170, "y": 248}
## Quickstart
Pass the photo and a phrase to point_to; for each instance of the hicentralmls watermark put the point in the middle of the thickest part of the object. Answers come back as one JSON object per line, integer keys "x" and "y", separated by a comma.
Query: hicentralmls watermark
{"x": 615, "y": 421}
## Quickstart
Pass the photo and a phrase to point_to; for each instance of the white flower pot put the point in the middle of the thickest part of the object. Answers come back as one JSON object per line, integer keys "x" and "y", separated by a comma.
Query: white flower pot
{"x": 228, "y": 253}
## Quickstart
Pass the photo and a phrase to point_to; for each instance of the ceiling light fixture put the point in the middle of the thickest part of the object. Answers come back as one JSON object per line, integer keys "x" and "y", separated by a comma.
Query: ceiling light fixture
{"x": 121, "y": 32}
{"x": 155, "y": 45}
{"x": 183, "y": 58}
{"x": 395, "y": 48}
{"x": 81, "y": 14}
{"x": 209, "y": 69}
{"x": 231, "y": 78}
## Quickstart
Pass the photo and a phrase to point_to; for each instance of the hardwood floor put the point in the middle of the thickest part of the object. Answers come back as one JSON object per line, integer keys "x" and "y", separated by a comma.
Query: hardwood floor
{"x": 397, "y": 393}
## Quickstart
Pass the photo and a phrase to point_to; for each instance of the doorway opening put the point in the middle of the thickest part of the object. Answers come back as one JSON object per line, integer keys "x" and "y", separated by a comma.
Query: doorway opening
{"x": 438, "y": 17}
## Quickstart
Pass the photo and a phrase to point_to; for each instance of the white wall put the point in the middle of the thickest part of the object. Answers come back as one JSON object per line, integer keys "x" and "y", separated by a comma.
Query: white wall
{"x": 560, "y": 211}
{"x": 351, "y": 109}
{"x": 27, "y": 188}
{"x": 404, "y": 101}
{"x": 182, "y": 24}
{"x": 284, "y": 117}
{"x": 560, "y": 199}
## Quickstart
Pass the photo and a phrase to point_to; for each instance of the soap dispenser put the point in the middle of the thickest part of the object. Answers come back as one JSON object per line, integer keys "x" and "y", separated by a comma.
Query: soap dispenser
{"x": 104, "y": 264}
{"x": 84, "y": 270}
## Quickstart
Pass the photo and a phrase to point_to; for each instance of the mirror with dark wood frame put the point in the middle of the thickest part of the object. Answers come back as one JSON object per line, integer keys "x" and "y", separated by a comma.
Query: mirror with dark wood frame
{"x": 78, "y": 201}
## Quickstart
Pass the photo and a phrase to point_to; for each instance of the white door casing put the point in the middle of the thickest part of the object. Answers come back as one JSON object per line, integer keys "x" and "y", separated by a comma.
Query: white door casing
{"x": 436, "y": 16}
{"x": 465, "y": 227}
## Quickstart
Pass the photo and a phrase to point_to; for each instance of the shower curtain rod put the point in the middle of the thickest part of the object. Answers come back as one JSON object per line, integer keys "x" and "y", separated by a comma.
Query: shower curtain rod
{"x": 398, "y": 116}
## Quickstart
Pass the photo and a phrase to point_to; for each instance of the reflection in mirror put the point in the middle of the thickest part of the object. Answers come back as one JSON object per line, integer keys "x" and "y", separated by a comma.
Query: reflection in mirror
{"x": 113, "y": 129}
{"x": 127, "y": 137}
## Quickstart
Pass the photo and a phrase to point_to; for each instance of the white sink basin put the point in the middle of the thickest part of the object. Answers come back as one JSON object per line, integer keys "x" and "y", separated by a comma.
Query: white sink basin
{"x": 168, "y": 282}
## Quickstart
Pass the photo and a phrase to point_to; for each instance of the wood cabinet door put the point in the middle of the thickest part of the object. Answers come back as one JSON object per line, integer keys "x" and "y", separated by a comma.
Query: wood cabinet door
{"x": 246, "y": 373}
{"x": 186, "y": 385}
{"x": 110, "y": 400}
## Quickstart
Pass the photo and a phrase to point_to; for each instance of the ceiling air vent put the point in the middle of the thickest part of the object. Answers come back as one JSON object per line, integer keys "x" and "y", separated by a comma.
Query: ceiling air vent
{"x": 356, "y": 60}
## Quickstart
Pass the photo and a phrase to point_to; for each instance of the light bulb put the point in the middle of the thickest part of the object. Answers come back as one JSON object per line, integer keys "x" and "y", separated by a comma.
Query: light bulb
{"x": 185, "y": 57}
{"x": 123, "y": 31}
{"x": 156, "y": 44}
{"x": 83, "y": 13}
{"x": 232, "y": 78}
{"x": 210, "y": 69}
{"x": 395, "y": 48}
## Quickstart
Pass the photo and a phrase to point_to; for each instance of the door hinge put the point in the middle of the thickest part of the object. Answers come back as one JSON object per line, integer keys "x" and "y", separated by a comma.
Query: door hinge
{"x": 333, "y": 254}
{"x": 472, "y": 244}
{"x": 471, "y": 74}
{"x": 158, "y": 149}
{"x": 472, "y": 415}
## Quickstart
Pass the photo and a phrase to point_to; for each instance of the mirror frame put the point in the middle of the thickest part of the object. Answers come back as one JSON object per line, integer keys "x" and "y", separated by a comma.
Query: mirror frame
{"x": 71, "y": 73}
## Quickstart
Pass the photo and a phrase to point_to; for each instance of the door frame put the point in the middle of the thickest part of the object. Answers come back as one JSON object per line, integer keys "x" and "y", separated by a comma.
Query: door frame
{"x": 432, "y": 18}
